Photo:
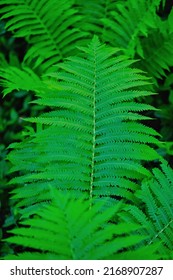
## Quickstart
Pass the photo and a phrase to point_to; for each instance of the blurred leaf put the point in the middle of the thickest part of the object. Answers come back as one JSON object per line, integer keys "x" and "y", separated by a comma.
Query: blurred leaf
{"x": 171, "y": 97}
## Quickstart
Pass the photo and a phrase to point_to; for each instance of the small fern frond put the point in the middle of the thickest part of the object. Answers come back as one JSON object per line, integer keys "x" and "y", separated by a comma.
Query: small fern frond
{"x": 130, "y": 21}
{"x": 158, "y": 53}
{"x": 13, "y": 78}
{"x": 92, "y": 12}
{"x": 70, "y": 229}
{"x": 157, "y": 196}
{"x": 47, "y": 25}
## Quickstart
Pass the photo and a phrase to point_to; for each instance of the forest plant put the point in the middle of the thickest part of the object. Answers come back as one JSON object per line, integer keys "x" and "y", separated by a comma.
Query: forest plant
{"x": 88, "y": 161}
{"x": 70, "y": 229}
{"x": 129, "y": 23}
{"x": 50, "y": 37}
{"x": 133, "y": 26}
{"x": 157, "y": 196}
{"x": 93, "y": 127}
{"x": 89, "y": 148}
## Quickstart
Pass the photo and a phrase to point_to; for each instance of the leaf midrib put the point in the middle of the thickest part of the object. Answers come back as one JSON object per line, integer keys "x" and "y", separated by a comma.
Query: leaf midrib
{"x": 94, "y": 131}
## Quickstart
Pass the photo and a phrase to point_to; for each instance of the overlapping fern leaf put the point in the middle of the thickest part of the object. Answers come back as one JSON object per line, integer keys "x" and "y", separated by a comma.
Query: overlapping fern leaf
{"x": 91, "y": 141}
{"x": 157, "y": 49}
{"x": 129, "y": 22}
{"x": 130, "y": 25}
{"x": 47, "y": 25}
{"x": 157, "y": 215}
{"x": 93, "y": 11}
{"x": 70, "y": 229}
{"x": 13, "y": 78}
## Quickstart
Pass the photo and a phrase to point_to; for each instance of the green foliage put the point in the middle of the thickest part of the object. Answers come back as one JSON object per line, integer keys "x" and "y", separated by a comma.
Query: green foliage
{"x": 93, "y": 11}
{"x": 50, "y": 37}
{"x": 14, "y": 78}
{"x": 94, "y": 128}
{"x": 157, "y": 49}
{"x": 135, "y": 27}
{"x": 83, "y": 153}
{"x": 157, "y": 217}
{"x": 70, "y": 229}
{"x": 129, "y": 22}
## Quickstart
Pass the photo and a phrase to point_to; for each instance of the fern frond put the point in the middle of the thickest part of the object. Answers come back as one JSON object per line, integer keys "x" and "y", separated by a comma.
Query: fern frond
{"x": 70, "y": 229}
{"x": 157, "y": 198}
{"x": 158, "y": 53}
{"x": 130, "y": 21}
{"x": 92, "y": 140}
{"x": 47, "y": 25}
{"x": 13, "y": 78}
{"x": 92, "y": 12}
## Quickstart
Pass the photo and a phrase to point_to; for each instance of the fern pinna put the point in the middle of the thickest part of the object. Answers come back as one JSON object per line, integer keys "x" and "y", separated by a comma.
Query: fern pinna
{"x": 91, "y": 141}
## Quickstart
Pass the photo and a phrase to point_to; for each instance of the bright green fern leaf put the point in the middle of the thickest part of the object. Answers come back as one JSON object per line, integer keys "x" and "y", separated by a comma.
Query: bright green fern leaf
{"x": 70, "y": 229}
{"x": 158, "y": 52}
{"x": 13, "y": 78}
{"x": 47, "y": 25}
{"x": 91, "y": 141}
{"x": 93, "y": 11}
{"x": 157, "y": 197}
{"x": 131, "y": 20}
